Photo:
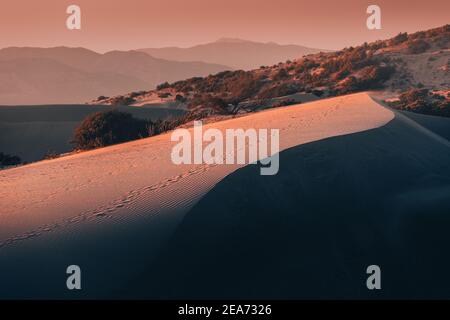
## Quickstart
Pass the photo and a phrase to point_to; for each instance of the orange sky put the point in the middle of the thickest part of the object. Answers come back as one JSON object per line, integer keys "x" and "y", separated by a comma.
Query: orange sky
{"x": 130, "y": 24}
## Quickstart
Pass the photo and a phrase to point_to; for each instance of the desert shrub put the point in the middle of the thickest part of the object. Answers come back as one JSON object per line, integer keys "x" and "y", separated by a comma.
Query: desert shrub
{"x": 108, "y": 127}
{"x": 377, "y": 45}
{"x": 208, "y": 102}
{"x": 417, "y": 46}
{"x": 284, "y": 103}
{"x": 136, "y": 94}
{"x": 370, "y": 77}
{"x": 317, "y": 92}
{"x": 348, "y": 85}
{"x": 254, "y": 105}
{"x": 442, "y": 41}
{"x": 180, "y": 98}
{"x": 423, "y": 101}
{"x": 185, "y": 86}
{"x": 122, "y": 101}
{"x": 8, "y": 160}
{"x": 339, "y": 75}
{"x": 374, "y": 76}
{"x": 281, "y": 90}
{"x": 305, "y": 65}
{"x": 413, "y": 96}
{"x": 281, "y": 75}
{"x": 51, "y": 155}
{"x": 398, "y": 39}
{"x": 164, "y": 95}
{"x": 347, "y": 62}
{"x": 161, "y": 126}
{"x": 224, "y": 74}
{"x": 244, "y": 86}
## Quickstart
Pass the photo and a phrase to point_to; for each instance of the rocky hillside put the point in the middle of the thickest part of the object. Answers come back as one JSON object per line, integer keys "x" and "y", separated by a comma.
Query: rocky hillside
{"x": 419, "y": 60}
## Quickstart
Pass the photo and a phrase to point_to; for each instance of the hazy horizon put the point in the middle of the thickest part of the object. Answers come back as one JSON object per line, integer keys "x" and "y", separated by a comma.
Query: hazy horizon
{"x": 163, "y": 47}
{"x": 114, "y": 25}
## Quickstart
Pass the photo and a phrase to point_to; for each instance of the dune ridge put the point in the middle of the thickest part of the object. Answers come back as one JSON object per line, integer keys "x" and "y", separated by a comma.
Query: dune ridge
{"x": 123, "y": 204}
{"x": 73, "y": 188}
{"x": 342, "y": 204}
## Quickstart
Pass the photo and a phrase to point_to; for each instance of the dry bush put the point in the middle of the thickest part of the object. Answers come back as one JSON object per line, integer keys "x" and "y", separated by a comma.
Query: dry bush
{"x": 108, "y": 127}
{"x": 417, "y": 46}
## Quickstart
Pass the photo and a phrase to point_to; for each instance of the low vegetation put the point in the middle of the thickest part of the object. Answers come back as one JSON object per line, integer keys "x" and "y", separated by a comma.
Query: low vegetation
{"x": 424, "y": 101}
{"x": 284, "y": 103}
{"x": 7, "y": 160}
{"x": 106, "y": 128}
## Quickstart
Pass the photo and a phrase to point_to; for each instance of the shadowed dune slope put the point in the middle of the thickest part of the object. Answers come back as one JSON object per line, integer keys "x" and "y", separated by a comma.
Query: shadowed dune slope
{"x": 112, "y": 211}
{"x": 336, "y": 206}
{"x": 438, "y": 125}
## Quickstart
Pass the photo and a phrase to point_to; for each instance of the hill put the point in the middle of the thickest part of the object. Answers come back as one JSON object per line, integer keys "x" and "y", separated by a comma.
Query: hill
{"x": 419, "y": 60}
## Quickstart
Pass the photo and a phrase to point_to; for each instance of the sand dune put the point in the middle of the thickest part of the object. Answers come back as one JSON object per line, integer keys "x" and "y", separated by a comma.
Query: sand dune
{"x": 337, "y": 206}
{"x": 91, "y": 208}
{"x": 32, "y": 132}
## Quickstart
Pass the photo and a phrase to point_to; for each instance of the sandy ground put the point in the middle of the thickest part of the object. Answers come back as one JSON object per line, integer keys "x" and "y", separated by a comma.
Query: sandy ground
{"x": 32, "y": 132}
{"x": 121, "y": 204}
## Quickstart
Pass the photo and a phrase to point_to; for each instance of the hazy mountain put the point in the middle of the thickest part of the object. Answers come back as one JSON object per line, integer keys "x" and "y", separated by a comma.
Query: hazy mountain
{"x": 236, "y": 53}
{"x": 72, "y": 75}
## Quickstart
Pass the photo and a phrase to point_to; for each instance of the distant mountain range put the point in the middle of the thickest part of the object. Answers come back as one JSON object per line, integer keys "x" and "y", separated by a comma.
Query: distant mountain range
{"x": 74, "y": 75}
{"x": 235, "y": 53}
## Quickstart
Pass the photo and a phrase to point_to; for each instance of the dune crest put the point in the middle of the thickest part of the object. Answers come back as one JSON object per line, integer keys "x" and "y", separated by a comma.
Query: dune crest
{"x": 123, "y": 181}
